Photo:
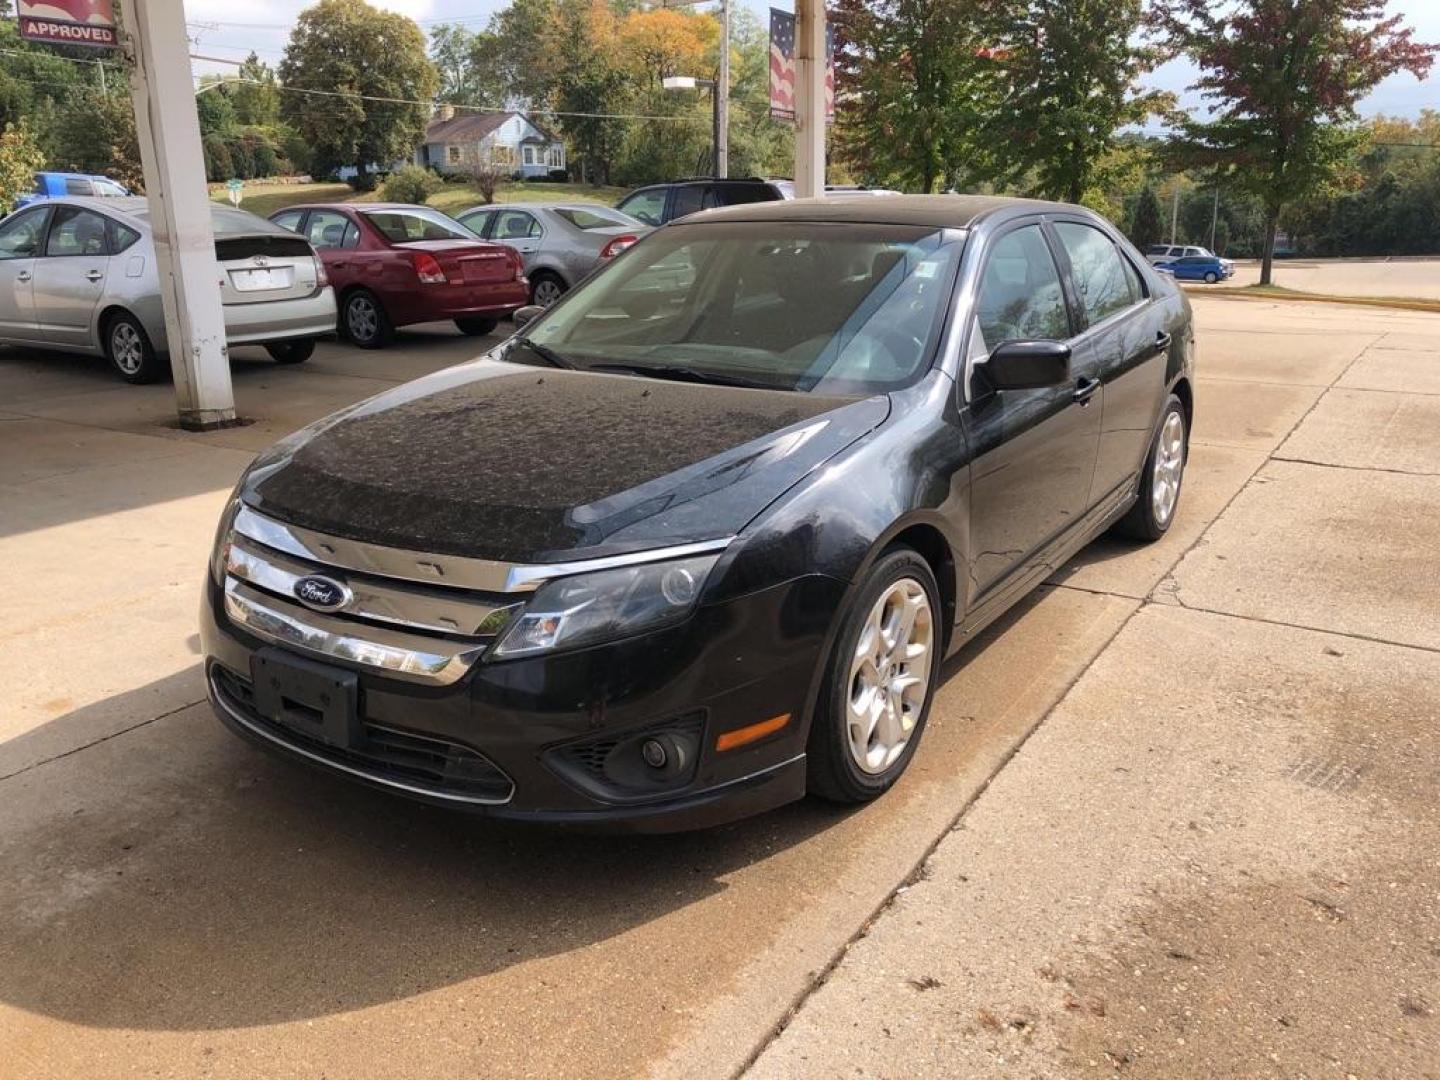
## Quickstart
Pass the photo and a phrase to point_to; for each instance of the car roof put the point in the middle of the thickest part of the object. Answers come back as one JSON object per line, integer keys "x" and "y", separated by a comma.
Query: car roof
{"x": 936, "y": 211}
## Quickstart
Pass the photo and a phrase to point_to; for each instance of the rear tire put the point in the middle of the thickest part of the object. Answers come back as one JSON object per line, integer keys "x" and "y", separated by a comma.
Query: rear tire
{"x": 1161, "y": 478}
{"x": 363, "y": 321}
{"x": 880, "y": 683}
{"x": 129, "y": 351}
{"x": 291, "y": 352}
{"x": 546, "y": 288}
{"x": 476, "y": 326}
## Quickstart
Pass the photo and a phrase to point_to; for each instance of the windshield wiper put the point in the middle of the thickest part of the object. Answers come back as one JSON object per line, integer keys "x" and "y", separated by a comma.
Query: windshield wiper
{"x": 675, "y": 373}
{"x": 549, "y": 355}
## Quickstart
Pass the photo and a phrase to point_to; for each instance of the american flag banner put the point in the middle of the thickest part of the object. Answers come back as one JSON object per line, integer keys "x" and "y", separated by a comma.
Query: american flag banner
{"x": 782, "y": 67}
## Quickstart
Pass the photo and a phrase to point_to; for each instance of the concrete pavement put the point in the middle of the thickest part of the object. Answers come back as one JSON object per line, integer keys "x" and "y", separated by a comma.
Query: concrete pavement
{"x": 1417, "y": 278}
{"x": 174, "y": 904}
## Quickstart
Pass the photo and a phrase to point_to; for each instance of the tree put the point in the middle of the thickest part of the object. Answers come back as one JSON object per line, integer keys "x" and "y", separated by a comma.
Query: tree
{"x": 1067, "y": 71}
{"x": 257, "y": 99}
{"x": 908, "y": 88}
{"x": 94, "y": 132}
{"x": 1283, "y": 78}
{"x": 586, "y": 81}
{"x": 20, "y": 158}
{"x": 377, "y": 84}
{"x": 1146, "y": 224}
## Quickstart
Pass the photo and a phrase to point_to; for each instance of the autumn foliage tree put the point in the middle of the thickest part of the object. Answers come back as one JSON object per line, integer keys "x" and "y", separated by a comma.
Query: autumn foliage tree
{"x": 1283, "y": 78}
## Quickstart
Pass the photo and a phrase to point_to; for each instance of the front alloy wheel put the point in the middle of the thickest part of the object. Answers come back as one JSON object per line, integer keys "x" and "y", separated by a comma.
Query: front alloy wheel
{"x": 880, "y": 681}
{"x": 890, "y": 675}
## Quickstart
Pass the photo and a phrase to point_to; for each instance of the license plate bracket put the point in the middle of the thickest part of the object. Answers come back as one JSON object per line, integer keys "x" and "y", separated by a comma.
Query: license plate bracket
{"x": 315, "y": 700}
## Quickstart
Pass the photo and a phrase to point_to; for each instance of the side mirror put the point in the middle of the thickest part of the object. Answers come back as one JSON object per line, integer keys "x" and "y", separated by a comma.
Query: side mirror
{"x": 525, "y": 314}
{"x": 1028, "y": 365}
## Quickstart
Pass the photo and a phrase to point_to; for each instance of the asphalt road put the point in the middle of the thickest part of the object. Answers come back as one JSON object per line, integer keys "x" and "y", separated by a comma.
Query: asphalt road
{"x": 1156, "y": 754}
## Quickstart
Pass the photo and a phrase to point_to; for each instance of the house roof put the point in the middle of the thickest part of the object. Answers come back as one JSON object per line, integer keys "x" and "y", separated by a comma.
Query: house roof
{"x": 472, "y": 127}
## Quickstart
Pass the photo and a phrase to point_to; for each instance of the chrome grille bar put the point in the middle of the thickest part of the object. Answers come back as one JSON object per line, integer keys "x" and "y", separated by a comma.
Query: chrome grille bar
{"x": 416, "y": 607}
{"x": 402, "y": 655}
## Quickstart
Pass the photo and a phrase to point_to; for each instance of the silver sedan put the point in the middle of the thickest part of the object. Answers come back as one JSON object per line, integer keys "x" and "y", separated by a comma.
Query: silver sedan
{"x": 560, "y": 242}
{"x": 79, "y": 274}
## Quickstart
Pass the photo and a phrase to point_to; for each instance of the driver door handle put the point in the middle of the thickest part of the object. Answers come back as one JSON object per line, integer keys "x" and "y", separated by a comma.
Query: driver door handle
{"x": 23, "y": 275}
{"x": 94, "y": 275}
{"x": 1085, "y": 388}
{"x": 1162, "y": 342}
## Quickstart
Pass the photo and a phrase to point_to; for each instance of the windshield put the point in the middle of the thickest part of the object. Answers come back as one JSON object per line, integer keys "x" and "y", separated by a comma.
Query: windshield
{"x": 402, "y": 226}
{"x": 832, "y": 309}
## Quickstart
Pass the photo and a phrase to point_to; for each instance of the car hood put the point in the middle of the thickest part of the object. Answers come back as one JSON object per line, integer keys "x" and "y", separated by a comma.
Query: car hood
{"x": 502, "y": 461}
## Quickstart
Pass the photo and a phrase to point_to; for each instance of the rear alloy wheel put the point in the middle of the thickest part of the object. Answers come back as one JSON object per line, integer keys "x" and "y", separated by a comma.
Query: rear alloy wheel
{"x": 1159, "y": 496}
{"x": 881, "y": 680}
{"x": 364, "y": 321}
{"x": 545, "y": 289}
{"x": 291, "y": 352}
{"x": 128, "y": 348}
{"x": 476, "y": 326}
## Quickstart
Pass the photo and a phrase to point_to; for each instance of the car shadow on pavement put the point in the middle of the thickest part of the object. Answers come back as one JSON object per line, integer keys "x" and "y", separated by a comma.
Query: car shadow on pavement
{"x": 172, "y": 877}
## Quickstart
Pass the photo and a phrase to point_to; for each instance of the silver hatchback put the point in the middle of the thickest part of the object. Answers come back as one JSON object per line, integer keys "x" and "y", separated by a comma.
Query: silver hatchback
{"x": 79, "y": 274}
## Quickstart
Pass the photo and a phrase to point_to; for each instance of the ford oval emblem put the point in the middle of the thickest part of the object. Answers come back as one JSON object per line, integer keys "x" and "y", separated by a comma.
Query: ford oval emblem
{"x": 321, "y": 593}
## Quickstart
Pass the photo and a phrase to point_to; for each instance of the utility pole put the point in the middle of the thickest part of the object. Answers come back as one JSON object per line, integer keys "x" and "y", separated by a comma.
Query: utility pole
{"x": 810, "y": 65}
{"x": 1214, "y": 220}
{"x": 719, "y": 86}
{"x": 1174, "y": 211}
{"x": 722, "y": 97}
{"x": 168, "y": 131}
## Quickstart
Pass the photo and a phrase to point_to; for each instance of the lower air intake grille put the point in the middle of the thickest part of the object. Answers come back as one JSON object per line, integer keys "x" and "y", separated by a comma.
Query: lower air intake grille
{"x": 388, "y": 754}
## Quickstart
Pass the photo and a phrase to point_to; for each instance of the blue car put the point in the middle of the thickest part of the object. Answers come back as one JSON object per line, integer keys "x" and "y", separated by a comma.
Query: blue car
{"x": 50, "y": 184}
{"x": 1206, "y": 268}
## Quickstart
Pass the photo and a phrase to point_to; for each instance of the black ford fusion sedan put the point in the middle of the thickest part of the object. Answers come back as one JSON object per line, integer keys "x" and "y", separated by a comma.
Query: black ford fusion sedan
{"x": 696, "y": 540}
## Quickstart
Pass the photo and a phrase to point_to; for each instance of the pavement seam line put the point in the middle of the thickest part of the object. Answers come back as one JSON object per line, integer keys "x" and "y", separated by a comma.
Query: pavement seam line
{"x": 104, "y": 738}
{"x": 916, "y": 872}
{"x": 1351, "y": 634}
{"x": 1352, "y": 468}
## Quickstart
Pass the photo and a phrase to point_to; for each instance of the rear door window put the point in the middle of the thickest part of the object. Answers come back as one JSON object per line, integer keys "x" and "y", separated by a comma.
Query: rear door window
{"x": 1097, "y": 270}
{"x": 75, "y": 186}
{"x": 689, "y": 199}
{"x": 76, "y": 231}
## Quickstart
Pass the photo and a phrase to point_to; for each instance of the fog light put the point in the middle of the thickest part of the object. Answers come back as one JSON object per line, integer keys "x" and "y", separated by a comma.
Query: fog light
{"x": 653, "y": 751}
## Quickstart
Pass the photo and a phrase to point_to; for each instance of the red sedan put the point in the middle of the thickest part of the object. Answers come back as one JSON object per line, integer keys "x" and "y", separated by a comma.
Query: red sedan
{"x": 393, "y": 264}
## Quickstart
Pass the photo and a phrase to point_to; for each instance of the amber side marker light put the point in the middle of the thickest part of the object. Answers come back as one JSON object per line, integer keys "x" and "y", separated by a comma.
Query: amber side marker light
{"x": 741, "y": 736}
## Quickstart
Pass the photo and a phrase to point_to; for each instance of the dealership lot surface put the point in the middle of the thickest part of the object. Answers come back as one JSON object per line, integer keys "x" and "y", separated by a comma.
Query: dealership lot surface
{"x": 1174, "y": 815}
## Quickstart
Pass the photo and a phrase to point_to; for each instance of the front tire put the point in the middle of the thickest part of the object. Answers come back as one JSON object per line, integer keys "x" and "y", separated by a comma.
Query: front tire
{"x": 129, "y": 351}
{"x": 881, "y": 681}
{"x": 1211, "y": 277}
{"x": 364, "y": 322}
{"x": 291, "y": 352}
{"x": 1164, "y": 470}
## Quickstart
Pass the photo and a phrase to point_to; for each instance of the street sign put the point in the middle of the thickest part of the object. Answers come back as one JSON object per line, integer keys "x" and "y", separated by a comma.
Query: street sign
{"x": 236, "y": 188}
{"x": 68, "y": 22}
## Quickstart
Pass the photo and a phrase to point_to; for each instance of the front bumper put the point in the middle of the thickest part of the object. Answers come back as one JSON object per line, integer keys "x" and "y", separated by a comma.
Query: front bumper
{"x": 537, "y": 738}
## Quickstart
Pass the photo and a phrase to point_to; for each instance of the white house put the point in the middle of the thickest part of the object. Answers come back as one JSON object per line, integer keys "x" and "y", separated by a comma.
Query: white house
{"x": 507, "y": 140}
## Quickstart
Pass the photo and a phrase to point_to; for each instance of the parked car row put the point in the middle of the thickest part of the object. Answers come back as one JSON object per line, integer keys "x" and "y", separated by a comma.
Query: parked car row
{"x": 1190, "y": 262}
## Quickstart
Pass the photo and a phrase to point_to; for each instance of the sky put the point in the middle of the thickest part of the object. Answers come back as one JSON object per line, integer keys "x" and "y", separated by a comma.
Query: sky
{"x": 222, "y": 28}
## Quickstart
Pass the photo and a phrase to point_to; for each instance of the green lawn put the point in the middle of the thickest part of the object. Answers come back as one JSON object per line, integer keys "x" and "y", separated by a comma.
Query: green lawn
{"x": 264, "y": 199}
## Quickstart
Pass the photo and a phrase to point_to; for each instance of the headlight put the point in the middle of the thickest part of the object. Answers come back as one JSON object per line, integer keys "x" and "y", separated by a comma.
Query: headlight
{"x": 220, "y": 549}
{"x": 573, "y": 611}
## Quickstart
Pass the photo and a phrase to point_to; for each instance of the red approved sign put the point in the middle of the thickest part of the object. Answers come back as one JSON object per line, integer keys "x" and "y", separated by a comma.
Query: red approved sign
{"x": 68, "y": 22}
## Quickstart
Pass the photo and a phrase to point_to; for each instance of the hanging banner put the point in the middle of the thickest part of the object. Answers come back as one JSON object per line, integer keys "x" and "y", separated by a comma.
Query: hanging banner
{"x": 68, "y": 22}
{"x": 782, "y": 67}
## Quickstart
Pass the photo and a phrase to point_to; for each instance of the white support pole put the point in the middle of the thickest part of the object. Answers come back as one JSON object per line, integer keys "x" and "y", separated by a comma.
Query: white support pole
{"x": 169, "y": 134}
{"x": 810, "y": 65}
